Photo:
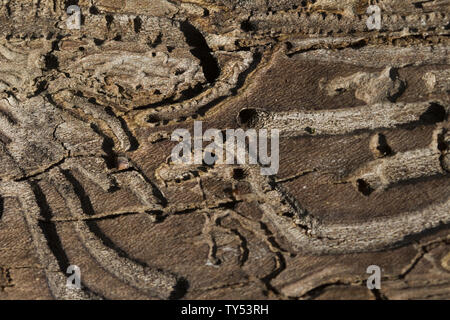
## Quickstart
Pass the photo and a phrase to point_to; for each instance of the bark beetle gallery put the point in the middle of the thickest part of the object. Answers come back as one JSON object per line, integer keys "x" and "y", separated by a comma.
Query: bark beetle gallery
{"x": 87, "y": 113}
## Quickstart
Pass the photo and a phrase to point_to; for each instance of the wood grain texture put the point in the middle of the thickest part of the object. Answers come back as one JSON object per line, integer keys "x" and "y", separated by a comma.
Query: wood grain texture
{"x": 86, "y": 118}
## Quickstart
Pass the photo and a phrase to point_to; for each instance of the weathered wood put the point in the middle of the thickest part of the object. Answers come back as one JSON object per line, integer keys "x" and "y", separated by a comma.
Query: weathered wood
{"x": 86, "y": 117}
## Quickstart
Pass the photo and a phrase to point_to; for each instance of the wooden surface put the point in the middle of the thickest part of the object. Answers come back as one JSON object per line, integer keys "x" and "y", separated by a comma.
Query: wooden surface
{"x": 85, "y": 123}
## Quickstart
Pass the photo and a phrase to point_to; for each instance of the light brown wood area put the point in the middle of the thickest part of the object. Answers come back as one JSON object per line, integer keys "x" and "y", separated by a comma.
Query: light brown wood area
{"x": 86, "y": 118}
